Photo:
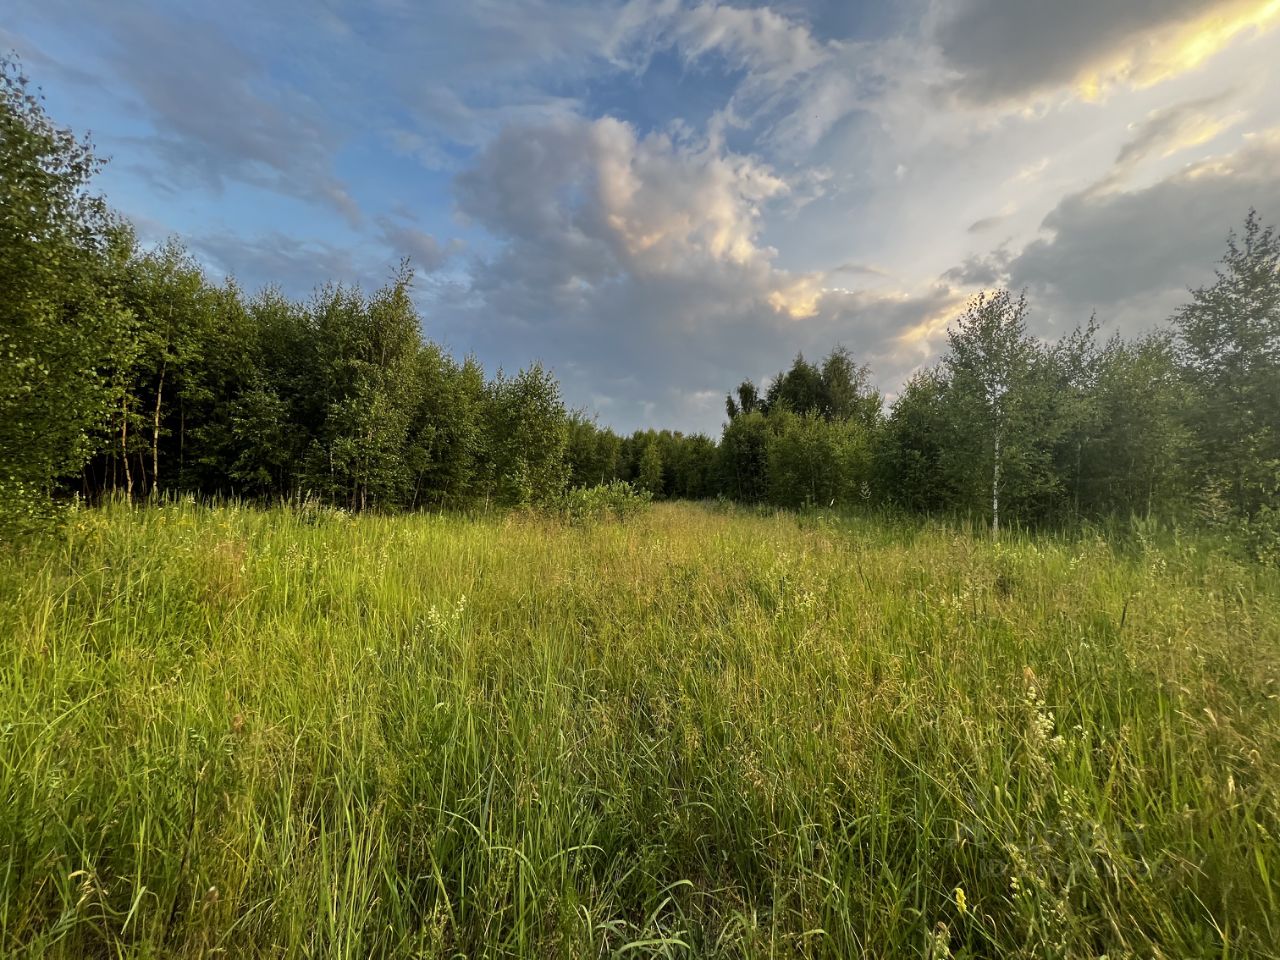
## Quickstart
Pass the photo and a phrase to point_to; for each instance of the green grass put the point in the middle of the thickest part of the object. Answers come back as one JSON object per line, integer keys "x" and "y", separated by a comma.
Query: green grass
{"x": 702, "y": 733}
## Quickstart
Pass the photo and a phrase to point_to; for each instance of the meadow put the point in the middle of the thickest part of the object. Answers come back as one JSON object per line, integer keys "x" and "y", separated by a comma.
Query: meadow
{"x": 703, "y": 732}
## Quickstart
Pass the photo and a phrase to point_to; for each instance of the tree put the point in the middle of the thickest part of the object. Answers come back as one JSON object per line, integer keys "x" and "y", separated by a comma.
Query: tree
{"x": 650, "y": 469}
{"x": 1071, "y": 366}
{"x": 261, "y": 425}
{"x": 1133, "y": 460}
{"x": 592, "y": 452}
{"x": 181, "y": 325}
{"x": 747, "y": 401}
{"x": 743, "y": 462}
{"x": 911, "y": 464}
{"x": 448, "y": 427}
{"x": 274, "y": 404}
{"x": 1000, "y": 391}
{"x": 814, "y": 461}
{"x": 367, "y": 352}
{"x": 201, "y": 437}
{"x": 846, "y": 389}
{"x": 1229, "y": 337}
{"x": 62, "y": 326}
{"x": 800, "y": 389}
{"x": 527, "y": 434}
{"x": 693, "y": 467}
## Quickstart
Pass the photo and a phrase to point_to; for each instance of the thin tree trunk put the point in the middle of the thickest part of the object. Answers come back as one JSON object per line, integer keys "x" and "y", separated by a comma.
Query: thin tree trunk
{"x": 124, "y": 446}
{"x": 417, "y": 489}
{"x": 995, "y": 490}
{"x": 1079, "y": 466}
{"x": 182, "y": 440}
{"x": 155, "y": 436}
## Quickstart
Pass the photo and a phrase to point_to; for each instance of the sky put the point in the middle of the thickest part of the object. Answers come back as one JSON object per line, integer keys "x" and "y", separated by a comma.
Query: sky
{"x": 656, "y": 198}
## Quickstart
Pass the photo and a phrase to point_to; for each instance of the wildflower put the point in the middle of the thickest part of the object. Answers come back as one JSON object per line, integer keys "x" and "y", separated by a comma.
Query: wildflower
{"x": 961, "y": 903}
{"x": 939, "y": 943}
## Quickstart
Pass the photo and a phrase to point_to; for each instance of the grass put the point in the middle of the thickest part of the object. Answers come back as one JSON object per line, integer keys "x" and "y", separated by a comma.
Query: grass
{"x": 702, "y": 733}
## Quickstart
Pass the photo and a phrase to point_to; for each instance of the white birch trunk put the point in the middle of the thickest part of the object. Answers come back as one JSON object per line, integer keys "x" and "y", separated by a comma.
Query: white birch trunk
{"x": 995, "y": 490}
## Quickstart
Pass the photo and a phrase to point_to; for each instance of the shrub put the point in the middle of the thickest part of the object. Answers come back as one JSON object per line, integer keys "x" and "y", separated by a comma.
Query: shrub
{"x": 615, "y": 500}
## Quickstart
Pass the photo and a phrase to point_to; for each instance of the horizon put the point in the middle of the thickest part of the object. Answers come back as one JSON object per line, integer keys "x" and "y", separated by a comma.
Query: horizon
{"x": 656, "y": 199}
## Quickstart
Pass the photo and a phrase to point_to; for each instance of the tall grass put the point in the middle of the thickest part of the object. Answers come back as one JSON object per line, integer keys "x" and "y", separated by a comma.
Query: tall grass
{"x": 702, "y": 733}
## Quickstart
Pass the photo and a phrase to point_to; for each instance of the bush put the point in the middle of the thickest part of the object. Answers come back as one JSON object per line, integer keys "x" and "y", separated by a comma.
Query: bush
{"x": 615, "y": 500}
{"x": 1261, "y": 535}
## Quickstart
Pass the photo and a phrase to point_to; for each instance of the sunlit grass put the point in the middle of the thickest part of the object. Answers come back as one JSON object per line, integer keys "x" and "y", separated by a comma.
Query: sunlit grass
{"x": 701, "y": 733}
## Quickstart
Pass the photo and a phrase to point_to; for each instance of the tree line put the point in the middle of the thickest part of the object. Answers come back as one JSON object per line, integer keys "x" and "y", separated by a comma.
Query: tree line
{"x": 129, "y": 371}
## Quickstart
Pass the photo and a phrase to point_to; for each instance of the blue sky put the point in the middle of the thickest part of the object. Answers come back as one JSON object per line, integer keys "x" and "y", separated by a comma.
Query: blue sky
{"x": 655, "y": 197}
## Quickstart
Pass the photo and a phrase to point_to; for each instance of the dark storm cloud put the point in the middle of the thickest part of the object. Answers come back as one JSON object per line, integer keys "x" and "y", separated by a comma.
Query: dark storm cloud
{"x": 1004, "y": 49}
{"x": 1135, "y": 252}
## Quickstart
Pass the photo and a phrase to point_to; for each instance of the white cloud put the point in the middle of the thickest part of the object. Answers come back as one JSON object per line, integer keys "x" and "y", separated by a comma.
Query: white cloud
{"x": 590, "y": 199}
{"x": 637, "y": 258}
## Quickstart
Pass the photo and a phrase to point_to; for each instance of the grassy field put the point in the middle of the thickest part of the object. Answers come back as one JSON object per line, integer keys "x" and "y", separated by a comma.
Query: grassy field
{"x": 702, "y": 733}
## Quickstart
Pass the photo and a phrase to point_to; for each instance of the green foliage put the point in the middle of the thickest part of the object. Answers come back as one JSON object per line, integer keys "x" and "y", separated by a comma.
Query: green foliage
{"x": 1131, "y": 449}
{"x": 1229, "y": 335}
{"x": 592, "y": 453}
{"x": 448, "y": 428}
{"x": 743, "y": 457}
{"x": 801, "y": 389}
{"x": 912, "y": 446}
{"x": 1048, "y": 432}
{"x": 615, "y": 500}
{"x": 838, "y": 389}
{"x": 61, "y": 322}
{"x": 811, "y": 461}
{"x": 649, "y": 471}
{"x": 1001, "y": 396}
{"x": 846, "y": 390}
{"x": 692, "y": 461}
{"x": 264, "y": 445}
{"x": 362, "y": 456}
{"x": 1260, "y": 532}
{"x": 527, "y": 436}
{"x": 748, "y": 400}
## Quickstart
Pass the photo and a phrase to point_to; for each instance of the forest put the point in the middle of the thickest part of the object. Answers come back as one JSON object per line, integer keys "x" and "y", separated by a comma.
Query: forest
{"x": 128, "y": 370}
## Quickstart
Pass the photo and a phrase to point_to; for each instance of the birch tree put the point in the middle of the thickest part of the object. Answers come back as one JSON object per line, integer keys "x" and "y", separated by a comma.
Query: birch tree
{"x": 992, "y": 366}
